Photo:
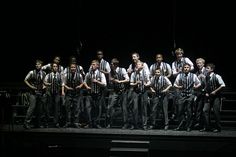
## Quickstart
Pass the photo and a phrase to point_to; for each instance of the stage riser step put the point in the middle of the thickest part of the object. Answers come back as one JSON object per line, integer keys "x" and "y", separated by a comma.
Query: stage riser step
{"x": 229, "y": 104}
{"x": 229, "y": 118}
{"x": 127, "y": 148}
{"x": 227, "y": 123}
{"x": 129, "y": 152}
{"x": 129, "y": 144}
{"x": 130, "y": 155}
{"x": 229, "y": 95}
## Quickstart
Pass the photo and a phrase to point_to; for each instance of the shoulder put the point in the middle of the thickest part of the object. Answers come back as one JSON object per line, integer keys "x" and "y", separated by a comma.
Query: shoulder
{"x": 217, "y": 75}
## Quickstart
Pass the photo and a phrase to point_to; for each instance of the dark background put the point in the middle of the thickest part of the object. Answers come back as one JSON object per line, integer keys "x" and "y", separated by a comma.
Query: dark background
{"x": 43, "y": 29}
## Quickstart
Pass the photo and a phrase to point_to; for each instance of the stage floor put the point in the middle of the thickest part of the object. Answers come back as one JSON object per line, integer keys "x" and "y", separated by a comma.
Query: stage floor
{"x": 226, "y": 132}
{"x": 100, "y": 142}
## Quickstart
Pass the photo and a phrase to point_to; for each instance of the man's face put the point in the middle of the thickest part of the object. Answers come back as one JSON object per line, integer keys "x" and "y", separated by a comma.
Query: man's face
{"x": 186, "y": 68}
{"x": 113, "y": 66}
{"x": 158, "y": 72}
{"x": 56, "y": 60}
{"x": 73, "y": 68}
{"x": 94, "y": 66}
{"x": 38, "y": 65}
{"x": 99, "y": 54}
{"x": 209, "y": 69}
{"x": 139, "y": 65}
{"x": 159, "y": 58}
{"x": 135, "y": 58}
{"x": 179, "y": 55}
{"x": 200, "y": 64}
{"x": 55, "y": 67}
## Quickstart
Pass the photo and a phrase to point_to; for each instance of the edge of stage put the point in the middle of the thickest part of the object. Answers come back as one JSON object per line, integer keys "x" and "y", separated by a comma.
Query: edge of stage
{"x": 99, "y": 142}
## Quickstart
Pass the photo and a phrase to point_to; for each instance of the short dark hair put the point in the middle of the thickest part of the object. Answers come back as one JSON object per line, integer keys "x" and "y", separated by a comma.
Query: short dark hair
{"x": 115, "y": 61}
{"x": 211, "y": 65}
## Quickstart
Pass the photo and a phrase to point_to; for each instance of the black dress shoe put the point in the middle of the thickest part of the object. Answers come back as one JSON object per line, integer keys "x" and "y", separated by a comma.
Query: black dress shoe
{"x": 197, "y": 125}
{"x": 188, "y": 129}
{"x": 131, "y": 127}
{"x": 88, "y": 126}
{"x": 216, "y": 130}
{"x": 76, "y": 125}
{"x": 98, "y": 126}
{"x": 204, "y": 130}
{"x": 125, "y": 126}
{"x": 151, "y": 127}
{"x": 26, "y": 126}
{"x": 145, "y": 128}
{"x": 41, "y": 126}
{"x": 66, "y": 125}
{"x": 57, "y": 125}
{"x": 177, "y": 129}
{"x": 166, "y": 127}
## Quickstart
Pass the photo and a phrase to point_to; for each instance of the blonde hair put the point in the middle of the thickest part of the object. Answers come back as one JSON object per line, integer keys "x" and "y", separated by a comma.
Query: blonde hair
{"x": 179, "y": 51}
{"x": 200, "y": 60}
{"x": 95, "y": 61}
{"x": 139, "y": 62}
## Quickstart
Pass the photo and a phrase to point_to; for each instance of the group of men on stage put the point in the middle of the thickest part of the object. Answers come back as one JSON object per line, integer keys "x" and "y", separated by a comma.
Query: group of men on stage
{"x": 142, "y": 94}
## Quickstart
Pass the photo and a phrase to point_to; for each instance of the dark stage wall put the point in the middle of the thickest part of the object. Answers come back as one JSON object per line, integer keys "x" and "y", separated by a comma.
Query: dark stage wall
{"x": 42, "y": 29}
